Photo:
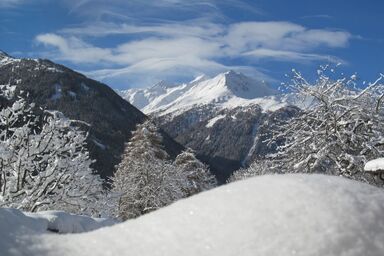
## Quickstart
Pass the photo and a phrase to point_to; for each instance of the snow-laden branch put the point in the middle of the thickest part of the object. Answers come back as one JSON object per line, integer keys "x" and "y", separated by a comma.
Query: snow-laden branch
{"x": 43, "y": 160}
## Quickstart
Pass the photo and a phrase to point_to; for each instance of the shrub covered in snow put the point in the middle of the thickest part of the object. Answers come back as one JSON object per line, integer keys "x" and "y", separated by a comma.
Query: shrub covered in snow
{"x": 337, "y": 133}
{"x": 43, "y": 161}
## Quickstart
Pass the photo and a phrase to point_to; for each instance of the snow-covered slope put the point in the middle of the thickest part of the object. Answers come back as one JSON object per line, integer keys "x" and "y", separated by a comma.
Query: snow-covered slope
{"x": 226, "y": 90}
{"x": 301, "y": 215}
{"x": 6, "y": 59}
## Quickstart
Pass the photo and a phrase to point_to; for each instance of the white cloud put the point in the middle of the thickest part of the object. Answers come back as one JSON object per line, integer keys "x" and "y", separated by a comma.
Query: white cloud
{"x": 197, "y": 28}
{"x": 74, "y": 49}
{"x": 291, "y": 56}
{"x": 155, "y": 9}
{"x": 190, "y": 47}
{"x": 282, "y": 35}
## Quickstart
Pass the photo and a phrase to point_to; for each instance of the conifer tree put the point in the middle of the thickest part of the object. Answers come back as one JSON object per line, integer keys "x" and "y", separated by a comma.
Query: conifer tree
{"x": 196, "y": 173}
{"x": 145, "y": 179}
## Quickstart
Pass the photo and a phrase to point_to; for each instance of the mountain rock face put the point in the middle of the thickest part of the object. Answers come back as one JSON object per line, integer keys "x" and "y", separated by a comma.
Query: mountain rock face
{"x": 56, "y": 87}
{"x": 226, "y": 139}
{"x": 226, "y": 119}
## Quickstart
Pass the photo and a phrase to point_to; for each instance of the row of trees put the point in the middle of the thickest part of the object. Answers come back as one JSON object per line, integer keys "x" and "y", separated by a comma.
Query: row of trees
{"x": 339, "y": 129}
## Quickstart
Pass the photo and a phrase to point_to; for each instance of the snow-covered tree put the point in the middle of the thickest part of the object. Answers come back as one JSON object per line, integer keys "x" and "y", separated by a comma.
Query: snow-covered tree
{"x": 259, "y": 167}
{"x": 44, "y": 163}
{"x": 145, "y": 179}
{"x": 196, "y": 173}
{"x": 338, "y": 131}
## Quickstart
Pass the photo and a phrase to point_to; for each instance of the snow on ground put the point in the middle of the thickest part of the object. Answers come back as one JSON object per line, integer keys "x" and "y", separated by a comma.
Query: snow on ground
{"x": 212, "y": 122}
{"x": 6, "y": 59}
{"x": 18, "y": 228}
{"x": 374, "y": 165}
{"x": 62, "y": 222}
{"x": 267, "y": 103}
{"x": 267, "y": 215}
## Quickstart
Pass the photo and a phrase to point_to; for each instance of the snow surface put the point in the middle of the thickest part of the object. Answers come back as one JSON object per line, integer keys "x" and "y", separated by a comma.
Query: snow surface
{"x": 226, "y": 90}
{"x": 212, "y": 122}
{"x": 18, "y": 228}
{"x": 54, "y": 70}
{"x": 5, "y": 59}
{"x": 62, "y": 222}
{"x": 267, "y": 215}
{"x": 374, "y": 165}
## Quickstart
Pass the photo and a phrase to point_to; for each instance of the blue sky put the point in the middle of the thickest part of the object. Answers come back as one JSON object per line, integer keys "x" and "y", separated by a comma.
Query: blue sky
{"x": 135, "y": 43}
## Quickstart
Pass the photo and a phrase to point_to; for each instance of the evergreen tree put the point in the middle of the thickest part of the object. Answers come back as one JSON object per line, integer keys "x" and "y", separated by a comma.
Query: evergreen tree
{"x": 196, "y": 173}
{"x": 145, "y": 179}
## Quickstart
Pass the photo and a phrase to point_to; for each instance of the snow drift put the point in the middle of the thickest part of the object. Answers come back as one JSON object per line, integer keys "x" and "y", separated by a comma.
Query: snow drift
{"x": 266, "y": 215}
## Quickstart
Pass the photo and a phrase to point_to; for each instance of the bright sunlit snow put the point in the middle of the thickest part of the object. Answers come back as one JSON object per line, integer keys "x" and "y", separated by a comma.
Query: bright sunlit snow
{"x": 374, "y": 165}
{"x": 212, "y": 122}
{"x": 267, "y": 215}
{"x": 226, "y": 90}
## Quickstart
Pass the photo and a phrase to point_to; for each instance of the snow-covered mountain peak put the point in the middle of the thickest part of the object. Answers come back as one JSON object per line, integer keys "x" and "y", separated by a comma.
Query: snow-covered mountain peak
{"x": 232, "y": 73}
{"x": 199, "y": 79}
{"x": 226, "y": 90}
{"x": 243, "y": 86}
{"x": 162, "y": 85}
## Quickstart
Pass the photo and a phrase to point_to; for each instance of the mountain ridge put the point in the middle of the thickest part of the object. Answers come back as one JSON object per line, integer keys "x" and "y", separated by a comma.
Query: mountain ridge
{"x": 226, "y": 90}
{"x": 56, "y": 87}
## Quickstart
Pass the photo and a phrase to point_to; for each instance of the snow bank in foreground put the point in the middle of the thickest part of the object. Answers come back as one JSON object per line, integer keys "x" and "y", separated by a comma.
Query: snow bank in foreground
{"x": 267, "y": 215}
{"x": 62, "y": 222}
{"x": 16, "y": 227}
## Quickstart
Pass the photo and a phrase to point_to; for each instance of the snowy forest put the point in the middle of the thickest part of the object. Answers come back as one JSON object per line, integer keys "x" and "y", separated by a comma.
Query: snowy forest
{"x": 48, "y": 183}
{"x": 45, "y": 164}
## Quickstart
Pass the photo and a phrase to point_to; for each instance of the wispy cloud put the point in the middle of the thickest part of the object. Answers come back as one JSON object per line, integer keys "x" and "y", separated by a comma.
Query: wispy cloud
{"x": 180, "y": 38}
{"x": 189, "y": 47}
{"x": 74, "y": 49}
{"x": 155, "y": 9}
{"x": 291, "y": 56}
{"x": 197, "y": 28}
{"x": 10, "y": 3}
